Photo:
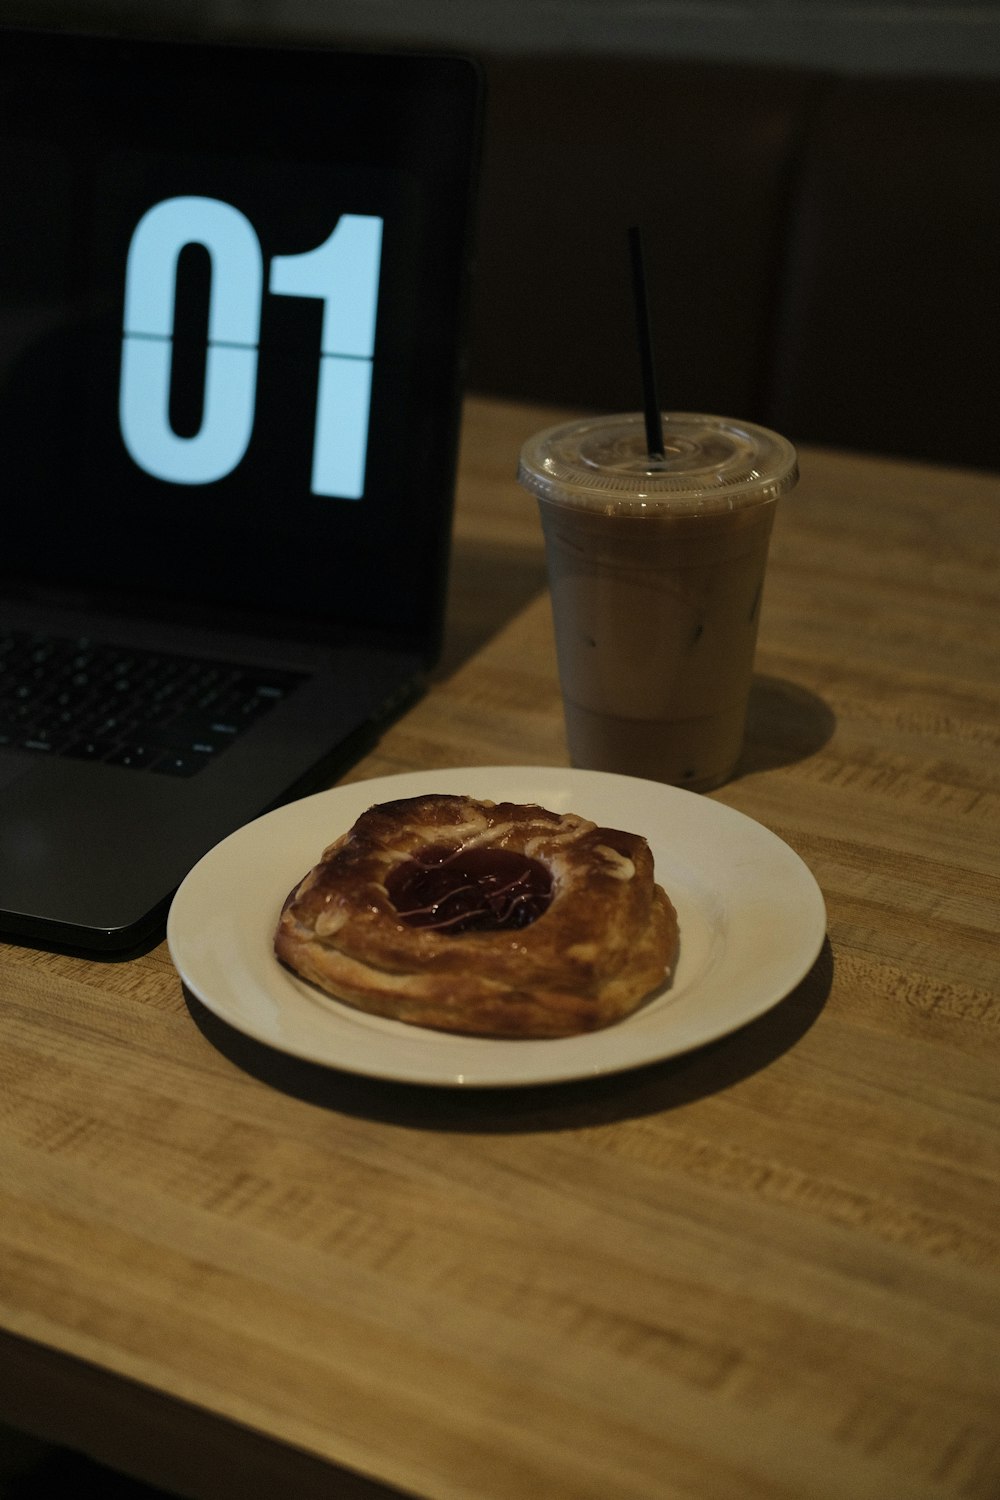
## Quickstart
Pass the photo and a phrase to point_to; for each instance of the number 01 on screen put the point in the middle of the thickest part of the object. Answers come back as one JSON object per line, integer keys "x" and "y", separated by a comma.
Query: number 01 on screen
{"x": 342, "y": 272}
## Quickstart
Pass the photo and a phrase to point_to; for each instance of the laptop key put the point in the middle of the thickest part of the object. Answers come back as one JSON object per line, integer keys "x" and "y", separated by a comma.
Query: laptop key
{"x": 187, "y": 730}
{"x": 133, "y": 756}
{"x": 179, "y": 763}
{"x": 90, "y": 749}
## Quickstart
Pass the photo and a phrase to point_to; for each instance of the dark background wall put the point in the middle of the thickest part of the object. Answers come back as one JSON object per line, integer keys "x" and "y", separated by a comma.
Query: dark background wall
{"x": 946, "y": 36}
{"x": 818, "y": 184}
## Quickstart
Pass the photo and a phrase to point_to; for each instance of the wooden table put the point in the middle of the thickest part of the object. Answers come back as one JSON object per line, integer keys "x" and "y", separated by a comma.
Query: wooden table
{"x": 767, "y": 1269}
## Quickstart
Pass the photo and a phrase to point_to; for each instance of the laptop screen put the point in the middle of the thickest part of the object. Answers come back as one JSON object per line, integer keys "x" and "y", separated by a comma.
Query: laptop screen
{"x": 231, "y": 286}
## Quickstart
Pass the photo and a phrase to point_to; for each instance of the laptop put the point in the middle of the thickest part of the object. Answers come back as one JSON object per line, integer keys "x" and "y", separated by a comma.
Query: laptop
{"x": 231, "y": 291}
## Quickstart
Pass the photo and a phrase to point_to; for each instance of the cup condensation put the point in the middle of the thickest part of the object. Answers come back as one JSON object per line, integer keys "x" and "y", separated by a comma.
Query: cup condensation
{"x": 656, "y": 570}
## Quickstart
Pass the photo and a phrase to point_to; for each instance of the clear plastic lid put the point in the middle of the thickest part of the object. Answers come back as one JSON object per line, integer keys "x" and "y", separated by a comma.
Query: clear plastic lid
{"x": 710, "y": 464}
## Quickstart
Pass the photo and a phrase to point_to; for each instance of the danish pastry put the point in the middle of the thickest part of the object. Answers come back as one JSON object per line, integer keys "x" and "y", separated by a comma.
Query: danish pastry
{"x": 492, "y": 919}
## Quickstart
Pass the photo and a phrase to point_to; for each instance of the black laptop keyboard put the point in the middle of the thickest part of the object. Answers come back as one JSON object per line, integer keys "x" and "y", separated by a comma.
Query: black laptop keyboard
{"x": 140, "y": 709}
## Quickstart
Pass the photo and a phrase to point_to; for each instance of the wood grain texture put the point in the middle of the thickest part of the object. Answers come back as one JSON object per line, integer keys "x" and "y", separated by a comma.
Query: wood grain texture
{"x": 769, "y": 1269}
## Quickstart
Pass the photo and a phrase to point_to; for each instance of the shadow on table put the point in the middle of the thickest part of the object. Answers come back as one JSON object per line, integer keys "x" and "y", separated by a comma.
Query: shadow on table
{"x": 560, "y": 1106}
{"x": 785, "y": 723}
{"x": 491, "y": 582}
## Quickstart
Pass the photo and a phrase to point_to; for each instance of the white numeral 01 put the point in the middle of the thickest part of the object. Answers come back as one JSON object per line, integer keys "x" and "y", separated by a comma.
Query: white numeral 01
{"x": 343, "y": 272}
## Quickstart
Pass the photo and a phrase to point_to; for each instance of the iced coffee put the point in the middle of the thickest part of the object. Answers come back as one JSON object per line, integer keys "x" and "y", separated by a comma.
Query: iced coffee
{"x": 656, "y": 568}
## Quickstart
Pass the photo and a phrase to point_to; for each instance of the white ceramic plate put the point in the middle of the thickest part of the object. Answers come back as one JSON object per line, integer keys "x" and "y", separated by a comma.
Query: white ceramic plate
{"x": 752, "y": 921}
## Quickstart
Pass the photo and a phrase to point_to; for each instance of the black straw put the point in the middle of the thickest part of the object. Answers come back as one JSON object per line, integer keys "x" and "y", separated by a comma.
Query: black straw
{"x": 651, "y": 404}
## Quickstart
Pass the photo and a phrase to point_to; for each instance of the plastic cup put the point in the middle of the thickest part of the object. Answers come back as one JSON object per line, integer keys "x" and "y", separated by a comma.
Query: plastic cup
{"x": 656, "y": 569}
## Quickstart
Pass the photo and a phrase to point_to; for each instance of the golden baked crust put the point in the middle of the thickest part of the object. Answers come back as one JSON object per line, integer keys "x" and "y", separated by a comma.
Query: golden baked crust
{"x": 607, "y": 938}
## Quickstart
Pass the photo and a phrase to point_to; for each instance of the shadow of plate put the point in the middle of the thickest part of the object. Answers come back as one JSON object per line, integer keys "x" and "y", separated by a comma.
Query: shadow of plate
{"x": 646, "y": 1090}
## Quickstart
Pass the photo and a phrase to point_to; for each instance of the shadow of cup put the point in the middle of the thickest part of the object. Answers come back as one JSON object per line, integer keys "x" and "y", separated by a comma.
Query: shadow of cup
{"x": 785, "y": 723}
